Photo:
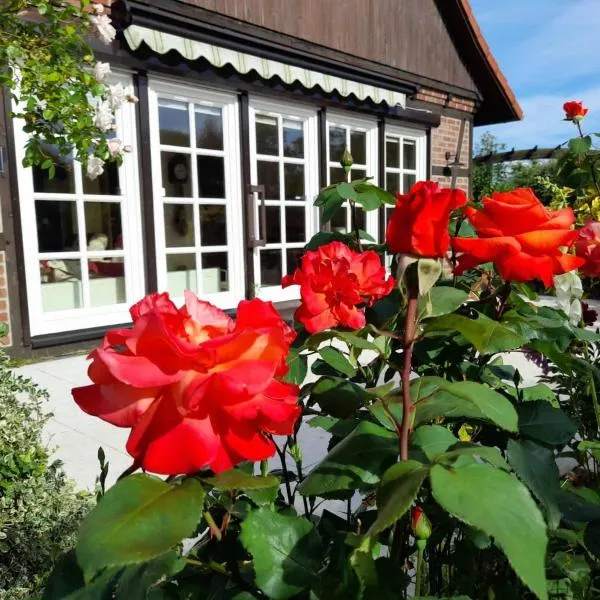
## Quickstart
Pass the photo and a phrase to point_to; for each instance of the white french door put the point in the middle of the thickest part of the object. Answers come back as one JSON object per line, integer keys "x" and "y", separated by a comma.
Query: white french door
{"x": 197, "y": 192}
{"x": 284, "y": 165}
{"x": 82, "y": 239}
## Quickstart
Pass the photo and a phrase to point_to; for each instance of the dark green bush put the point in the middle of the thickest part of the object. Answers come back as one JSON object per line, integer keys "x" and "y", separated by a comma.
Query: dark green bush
{"x": 39, "y": 508}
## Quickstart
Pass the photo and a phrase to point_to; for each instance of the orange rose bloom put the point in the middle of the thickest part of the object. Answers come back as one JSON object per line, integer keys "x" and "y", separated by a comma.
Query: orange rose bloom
{"x": 574, "y": 110}
{"x": 521, "y": 236}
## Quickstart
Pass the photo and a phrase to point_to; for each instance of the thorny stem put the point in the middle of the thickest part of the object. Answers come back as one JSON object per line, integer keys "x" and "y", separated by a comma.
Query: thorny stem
{"x": 288, "y": 487}
{"x": 503, "y": 296}
{"x": 300, "y": 478}
{"x": 419, "y": 578}
{"x": 592, "y": 166}
{"x": 409, "y": 343}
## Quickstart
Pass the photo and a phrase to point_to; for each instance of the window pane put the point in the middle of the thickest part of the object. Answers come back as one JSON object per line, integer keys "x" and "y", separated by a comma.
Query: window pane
{"x": 358, "y": 147}
{"x": 410, "y": 154}
{"x": 267, "y": 139}
{"x": 294, "y": 182}
{"x": 211, "y": 177}
{"x": 61, "y": 284}
{"x": 337, "y": 143}
{"x": 105, "y": 184}
{"x": 295, "y": 226}
{"x": 339, "y": 220}
{"x": 181, "y": 274}
{"x": 209, "y": 128}
{"x": 174, "y": 123}
{"x": 392, "y": 153}
{"x": 336, "y": 175}
{"x": 179, "y": 225}
{"x": 63, "y": 181}
{"x": 107, "y": 281}
{"x": 268, "y": 175}
{"x": 392, "y": 182}
{"x": 358, "y": 174}
{"x": 293, "y": 139}
{"x": 215, "y": 273}
{"x": 273, "y": 224}
{"x": 270, "y": 267}
{"x": 103, "y": 226}
{"x": 176, "y": 179}
{"x": 361, "y": 219}
{"x": 294, "y": 256}
{"x": 213, "y": 226}
{"x": 407, "y": 182}
{"x": 57, "y": 226}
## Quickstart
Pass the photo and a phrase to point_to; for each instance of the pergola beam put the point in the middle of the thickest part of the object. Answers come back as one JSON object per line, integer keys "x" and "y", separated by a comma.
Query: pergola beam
{"x": 534, "y": 153}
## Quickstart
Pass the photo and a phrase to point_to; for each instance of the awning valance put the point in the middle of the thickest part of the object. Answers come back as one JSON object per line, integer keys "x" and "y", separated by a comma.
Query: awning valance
{"x": 161, "y": 43}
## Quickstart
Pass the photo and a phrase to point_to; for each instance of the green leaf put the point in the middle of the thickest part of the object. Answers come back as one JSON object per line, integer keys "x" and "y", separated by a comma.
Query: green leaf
{"x": 580, "y": 145}
{"x": 338, "y": 397}
{"x": 382, "y": 412}
{"x": 354, "y": 340}
{"x": 488, "y": 336}
{"x": 500, "y": 505}
{"x": 138, "y": 519}
{"x": 437, "y": 398}
{"x": 440, "y": 301}
{"x": 399, "y": 488}
{"x": 536, "y": 467}
{"x": 298, "y": 367}
{"x": 539, "y": 392}
{"x": 236, "y": 479}
{"x": 544, "y": 423}
{"x": 336, "y": 359}
{"x": 357, "y": 462}
{"x": 325, "y": 195}
{"x": 286, "y": 551}
{"x": 331, "y": 207}
{"x": 432, "y": 440}
{"x": 487, "y": 453}
{"x": 325, "y": 237}
{"x": 368, "y": 196}
{"x": 347, "y": 191}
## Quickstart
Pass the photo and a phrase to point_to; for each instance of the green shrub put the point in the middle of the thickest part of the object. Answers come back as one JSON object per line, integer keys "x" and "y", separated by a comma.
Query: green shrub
{"x": 39, "y": 508}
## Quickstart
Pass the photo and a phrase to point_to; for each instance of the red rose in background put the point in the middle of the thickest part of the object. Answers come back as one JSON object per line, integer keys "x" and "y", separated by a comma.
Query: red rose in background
{"x": 574, "y": 111}
{"x": 196, "y": 388}
{"x": 520, "y": 236}
{"x": 587, "y": 246}
{"x": 419, "y": 222}
{"x": 333, "y": 281}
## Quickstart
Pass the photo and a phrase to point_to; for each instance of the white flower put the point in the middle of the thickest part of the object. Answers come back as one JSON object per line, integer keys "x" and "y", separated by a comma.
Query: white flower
{"x": 95, "y": 167}
{"x": 98, "y": 9}
{"x": 101, "y": 70}
{"x": 133, "y": 99}
{"x": 106, "y": 32}
{"x": 115, "y": 146}
{"x": 569, "y": 291}
{"x": 104, "y": 119}
{"x": 117, "y": 95}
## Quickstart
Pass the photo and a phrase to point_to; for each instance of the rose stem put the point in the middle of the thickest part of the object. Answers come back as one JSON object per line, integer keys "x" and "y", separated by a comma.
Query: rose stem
{"x": 355, "y": 219}
{"x": 409, "y": 343}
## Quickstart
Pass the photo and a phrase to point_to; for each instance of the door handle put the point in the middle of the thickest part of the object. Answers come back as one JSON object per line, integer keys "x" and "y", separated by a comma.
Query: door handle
{"x": 253, "y": 241}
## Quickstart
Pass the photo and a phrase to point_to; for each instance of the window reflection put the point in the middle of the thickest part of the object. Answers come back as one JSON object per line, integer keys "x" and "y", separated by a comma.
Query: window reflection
{"x": 209, "y": 128}
{"x": 57, "y": 225}
{"x": 63, "y": 181}
{"x": 358, "y": 147}
{"x": 268, "y": 175}
{"x": 213, "y": 225}
{"x": 103, "y": 226}
{"x": 215, "y": 273}
{"x": 181, "y": 274}
{"x": 295, "y": 226}
{"x": 61, "y": 284}
{"x": 270, "y": 267}
{"x": 176, "y": 178}
{"x": 179, "y": 225}
{"x": 105, "y": 184}
{"x": 337, "y": 143}
{"x": 293, "y": 139}
{"x": 174, "y": 125}
{"x": 294, "y": 181}
{"x": 267, "y": 138}
{"x": 211, "y": 177}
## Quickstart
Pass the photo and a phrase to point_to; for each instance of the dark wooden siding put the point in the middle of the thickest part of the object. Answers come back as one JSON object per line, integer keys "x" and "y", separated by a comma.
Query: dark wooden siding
{"x": 405, "y": 34}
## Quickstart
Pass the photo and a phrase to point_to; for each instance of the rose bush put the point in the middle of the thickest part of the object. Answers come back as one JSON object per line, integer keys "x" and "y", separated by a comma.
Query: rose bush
{"x": 413, "y": 461}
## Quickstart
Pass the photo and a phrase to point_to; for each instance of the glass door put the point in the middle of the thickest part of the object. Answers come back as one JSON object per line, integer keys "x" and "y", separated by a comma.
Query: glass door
{"x": 198, "y": 206}
{"x": 284, "y": 163}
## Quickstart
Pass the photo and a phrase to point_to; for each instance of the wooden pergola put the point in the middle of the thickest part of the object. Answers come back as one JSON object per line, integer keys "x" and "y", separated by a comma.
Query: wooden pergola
{"x": 534, "y": 153}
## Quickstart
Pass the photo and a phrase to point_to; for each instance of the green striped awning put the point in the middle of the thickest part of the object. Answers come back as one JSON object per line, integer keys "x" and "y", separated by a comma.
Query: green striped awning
{"x": 162, "y": 43}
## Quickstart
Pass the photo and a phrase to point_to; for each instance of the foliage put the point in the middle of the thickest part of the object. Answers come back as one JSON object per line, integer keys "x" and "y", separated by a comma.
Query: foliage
{"x": 421, "y": 415}
{"x": 39, "y": 510}
{"x": 56, "y": 87}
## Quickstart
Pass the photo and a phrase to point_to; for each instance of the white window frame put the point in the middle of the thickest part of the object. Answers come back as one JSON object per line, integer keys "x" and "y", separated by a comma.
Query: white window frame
{"x": 285, "y": 110}
{"x": 370, "y": 127}
{"x": 228, "y": 102}
{"x": 44, "y": 323}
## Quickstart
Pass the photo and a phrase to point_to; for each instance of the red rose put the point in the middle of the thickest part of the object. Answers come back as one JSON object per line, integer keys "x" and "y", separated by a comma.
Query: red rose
{"x": 196, "y": 388}
{"x": 520, "y": 236}
{"x": 421, "y": 525}
{"x": 574, "y": 111}
{"x": 333, "y": 281}
{"x": 419, "y": 222}
{"x": 587, "y": 246}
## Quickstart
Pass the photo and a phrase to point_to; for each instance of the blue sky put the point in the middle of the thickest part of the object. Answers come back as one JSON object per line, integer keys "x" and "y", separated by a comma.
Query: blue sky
{"x": 549, "y": 51}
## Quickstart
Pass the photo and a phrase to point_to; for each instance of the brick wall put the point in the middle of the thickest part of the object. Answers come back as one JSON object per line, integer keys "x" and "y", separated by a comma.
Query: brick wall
{"x": 4, "y": 302}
